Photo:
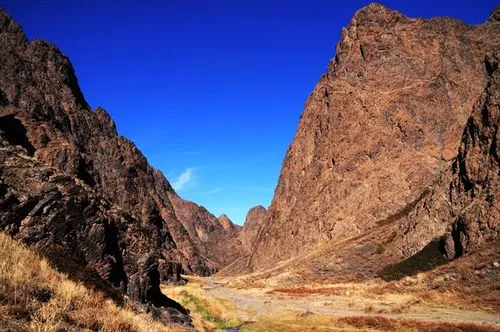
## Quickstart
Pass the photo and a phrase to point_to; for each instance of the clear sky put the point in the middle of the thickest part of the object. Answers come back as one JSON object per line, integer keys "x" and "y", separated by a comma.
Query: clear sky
{"x": 210, "y": 91}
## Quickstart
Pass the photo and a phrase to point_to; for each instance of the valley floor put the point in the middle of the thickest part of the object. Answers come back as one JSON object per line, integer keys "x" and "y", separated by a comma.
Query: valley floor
{"x": 222, "y": 303}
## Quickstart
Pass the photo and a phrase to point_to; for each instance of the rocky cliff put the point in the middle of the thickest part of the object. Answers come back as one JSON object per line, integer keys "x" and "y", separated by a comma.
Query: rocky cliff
{"x": 255, "y": 218}
{"x": 78, "y": 191}
{"x": 380, "y": 132}
{"x": 464, "y": 204}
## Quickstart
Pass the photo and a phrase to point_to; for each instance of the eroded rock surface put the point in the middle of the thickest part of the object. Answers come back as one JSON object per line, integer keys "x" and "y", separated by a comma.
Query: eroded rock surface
{"x": 78, "y": 191}
{"x": 214, "y": 237}
{"x": 382, "y": 128}
{"x": 464, "y": 205}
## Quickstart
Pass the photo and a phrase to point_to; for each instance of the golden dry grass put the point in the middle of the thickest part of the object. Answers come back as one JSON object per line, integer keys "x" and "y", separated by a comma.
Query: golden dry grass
{"x": 208, "y": 313}
{"x": 35, "y": 297}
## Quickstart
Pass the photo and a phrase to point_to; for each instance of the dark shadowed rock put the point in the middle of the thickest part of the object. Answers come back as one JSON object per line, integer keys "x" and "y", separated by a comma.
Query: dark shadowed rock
{"x": 75, "y": 189}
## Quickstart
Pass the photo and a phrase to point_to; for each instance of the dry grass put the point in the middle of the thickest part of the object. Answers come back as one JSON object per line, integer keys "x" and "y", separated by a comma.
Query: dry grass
{"x": 208, "y": 313}
{"x": 365, "y": 310}
{"x": 35, "y": 297}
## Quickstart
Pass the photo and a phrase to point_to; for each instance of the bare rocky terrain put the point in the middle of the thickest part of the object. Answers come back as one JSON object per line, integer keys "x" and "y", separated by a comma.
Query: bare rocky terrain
{"x": 401, "y": 132}
{"x": 85, "y": 196}
{"x": 389, "y": 190}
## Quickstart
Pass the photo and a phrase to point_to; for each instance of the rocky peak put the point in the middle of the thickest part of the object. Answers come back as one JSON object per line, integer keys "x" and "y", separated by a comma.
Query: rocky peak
{"x": 10, "y": 30}
{"x": 226, "y": 223}
{"x": 215, "y": 237}
{"x": 378, "y": 129}
{"x": 105, "y": 123}
{"x": 377, "y": 16}
{"x": 254, "y": 216}
{"x": 494, "y": 17}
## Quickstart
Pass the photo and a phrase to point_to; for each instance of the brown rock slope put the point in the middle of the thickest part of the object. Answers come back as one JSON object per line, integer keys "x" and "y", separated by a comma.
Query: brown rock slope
{"x": 255, "y": 218}
{"x": 465, "y": 204}
{"x": 73, "y": 187}
{"x": 380, "y": 131}
{"x": 214, "y": 237}
{"x": 245, "y": 240}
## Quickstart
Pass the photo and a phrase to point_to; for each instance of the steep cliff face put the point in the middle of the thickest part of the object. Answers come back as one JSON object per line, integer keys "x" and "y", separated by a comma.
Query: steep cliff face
{"x": 464, "y": 204}
{"x": 382, "y": 126}
{"x": 84, "y": 235}
{"x": 85, "y": 191}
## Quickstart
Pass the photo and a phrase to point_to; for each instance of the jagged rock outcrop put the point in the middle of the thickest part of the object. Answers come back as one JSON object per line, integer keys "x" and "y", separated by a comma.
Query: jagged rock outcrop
{"x": 380, "y": 130}
{"x": 72, "y": 187}
{"x": 80, "y": 232}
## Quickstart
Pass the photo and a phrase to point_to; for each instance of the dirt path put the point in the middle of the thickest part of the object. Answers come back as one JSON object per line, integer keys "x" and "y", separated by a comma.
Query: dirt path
{"x": 252, "y": 303}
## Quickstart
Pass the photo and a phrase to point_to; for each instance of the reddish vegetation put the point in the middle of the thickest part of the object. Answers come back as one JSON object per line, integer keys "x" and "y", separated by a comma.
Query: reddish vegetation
{"x": 304, "y": 291}
{"x": 387, "y": 324}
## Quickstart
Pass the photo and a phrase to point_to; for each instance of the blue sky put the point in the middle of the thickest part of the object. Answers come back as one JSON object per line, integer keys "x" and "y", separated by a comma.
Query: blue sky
{"x": 210, "y": 91}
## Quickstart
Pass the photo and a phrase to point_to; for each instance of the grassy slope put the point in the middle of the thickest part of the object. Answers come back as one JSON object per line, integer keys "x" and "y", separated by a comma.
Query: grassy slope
{"x": 34, "y": 296}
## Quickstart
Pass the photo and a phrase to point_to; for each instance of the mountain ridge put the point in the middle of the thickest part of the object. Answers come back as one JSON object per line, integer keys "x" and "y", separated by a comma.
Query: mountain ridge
{"x": 381, "y": 125}
{"x": 87, "y": 196}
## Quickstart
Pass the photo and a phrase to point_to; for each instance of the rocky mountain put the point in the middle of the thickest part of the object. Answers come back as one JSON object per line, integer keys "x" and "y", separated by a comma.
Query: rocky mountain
{"x": 244, "y": 241}
{"x": 214, "y": 237}
{"x": 228, "y": 225}
{"x": 255, "y": 218}
{"x": 464, "y": 204}
{"x": 399, "y": 133}
{"x": 82, "y": 194}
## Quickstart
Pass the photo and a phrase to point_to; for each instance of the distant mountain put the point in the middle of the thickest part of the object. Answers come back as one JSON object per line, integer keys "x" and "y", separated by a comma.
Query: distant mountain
{"x": 245, "y": 241}
{"x": 397, "y": 145}
{"x": 83, "y": 195}
{"x": 213, "y": 237}
{"x": 255, "y": 218}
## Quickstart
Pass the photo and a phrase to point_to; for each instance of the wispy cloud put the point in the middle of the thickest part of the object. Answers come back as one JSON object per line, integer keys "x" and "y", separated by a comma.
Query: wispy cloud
{"x": 185, "y": 179}
{"x": 210, "y": 192}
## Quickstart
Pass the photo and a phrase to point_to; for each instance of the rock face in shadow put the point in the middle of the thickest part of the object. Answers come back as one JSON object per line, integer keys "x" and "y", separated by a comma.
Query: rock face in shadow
{"x": 75, "y": 189}
{"x": 381, "y": 131}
